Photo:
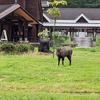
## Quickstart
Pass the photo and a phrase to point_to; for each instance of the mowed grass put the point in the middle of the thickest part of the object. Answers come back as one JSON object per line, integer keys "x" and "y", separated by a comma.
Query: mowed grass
{"x": 36, "y": 76}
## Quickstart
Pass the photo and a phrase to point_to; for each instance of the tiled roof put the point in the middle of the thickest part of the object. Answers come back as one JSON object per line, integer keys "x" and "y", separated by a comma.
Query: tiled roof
{"x": 16, "y": 8}
{"x": 4, "y": 7}
{"x": 74, "y": 13}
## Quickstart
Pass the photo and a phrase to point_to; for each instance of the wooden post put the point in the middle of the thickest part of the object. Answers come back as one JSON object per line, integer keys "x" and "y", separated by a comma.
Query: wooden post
{"x": 71, "y": 34}
{"x": 94, "y": 37}
{"x": 26, "y": 31}
{"x": 0, "y": 29}
{"x": 20, "y": 29}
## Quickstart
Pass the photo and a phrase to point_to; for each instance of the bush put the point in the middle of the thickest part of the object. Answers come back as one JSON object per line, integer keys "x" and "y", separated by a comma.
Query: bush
{"x": 98, "y": 40}
{"x": 7, "y": 47}
{"x": 16, "y": 48}
{"x": 31, "y": 47}
{"x": 60, "y": 38}
{"x": 22, "y": 48}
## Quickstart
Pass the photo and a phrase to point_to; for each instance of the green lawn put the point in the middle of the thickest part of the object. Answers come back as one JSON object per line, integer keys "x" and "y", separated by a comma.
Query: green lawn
{"x": 36, "y": 76}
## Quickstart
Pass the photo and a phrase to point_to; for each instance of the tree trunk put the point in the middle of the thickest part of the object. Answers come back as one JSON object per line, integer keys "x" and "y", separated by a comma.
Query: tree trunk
{"x": 54, "y": 37}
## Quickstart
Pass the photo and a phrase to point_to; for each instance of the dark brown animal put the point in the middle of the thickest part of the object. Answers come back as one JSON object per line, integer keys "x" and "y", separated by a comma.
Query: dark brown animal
{"x": 63, "y": 52}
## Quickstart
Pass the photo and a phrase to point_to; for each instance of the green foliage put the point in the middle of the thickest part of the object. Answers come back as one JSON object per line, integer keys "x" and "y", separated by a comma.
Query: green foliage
{"x": 16, "y": 48}
{"x": 81, "y": 3}
{"x": 60, "y": 38}
{"x": 22, "y": 48}
{"x": 98, "y": 40}
{"x": 57, "y": 3}
{"x": 43, "y": 34}
{"x": 7, "y": 47}
{"x": 31, "y": 47}
{"x": 54, "y": 10}
{"x": 92, "y": 49}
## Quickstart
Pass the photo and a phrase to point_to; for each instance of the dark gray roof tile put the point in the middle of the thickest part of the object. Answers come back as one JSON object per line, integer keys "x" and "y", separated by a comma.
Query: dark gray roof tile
{"x": 73, "y": 13}
{"x": 4, "y": 7}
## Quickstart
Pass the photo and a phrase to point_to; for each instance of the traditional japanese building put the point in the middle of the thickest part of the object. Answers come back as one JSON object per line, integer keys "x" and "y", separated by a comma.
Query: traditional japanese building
{"x": 82, "y": 24}
{"x": 20, "y": 19}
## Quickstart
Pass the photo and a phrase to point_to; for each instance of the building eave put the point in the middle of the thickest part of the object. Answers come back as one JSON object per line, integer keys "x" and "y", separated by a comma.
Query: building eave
{"x": 16, "y": 8}
{"x": 71, "y": 21}
{"x": 71, "y": 24}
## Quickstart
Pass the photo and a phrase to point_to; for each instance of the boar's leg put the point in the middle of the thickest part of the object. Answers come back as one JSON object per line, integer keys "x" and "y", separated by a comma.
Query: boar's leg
{"x": 59, "y": 60}
{"x": 62, "y": 60}
{"x": 69, "y": 58}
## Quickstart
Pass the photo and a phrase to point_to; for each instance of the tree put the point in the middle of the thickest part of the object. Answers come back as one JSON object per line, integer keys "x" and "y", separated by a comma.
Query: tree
{"x": 83, "y": 3}
{"x": 55, "y": 13}
{"x": 80, "y": 3}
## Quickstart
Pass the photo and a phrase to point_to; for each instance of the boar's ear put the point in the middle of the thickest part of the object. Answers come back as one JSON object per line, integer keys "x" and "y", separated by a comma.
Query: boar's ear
{"x": 59, "y": 49}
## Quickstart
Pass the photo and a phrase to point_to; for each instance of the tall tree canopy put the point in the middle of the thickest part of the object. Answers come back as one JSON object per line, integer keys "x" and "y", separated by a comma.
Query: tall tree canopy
{"x": 81, "y": 3}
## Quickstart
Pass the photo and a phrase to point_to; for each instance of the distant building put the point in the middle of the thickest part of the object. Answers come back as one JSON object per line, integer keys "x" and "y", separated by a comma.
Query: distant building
{"x": 20, "y": 19}
{"x": 82, "y": 24}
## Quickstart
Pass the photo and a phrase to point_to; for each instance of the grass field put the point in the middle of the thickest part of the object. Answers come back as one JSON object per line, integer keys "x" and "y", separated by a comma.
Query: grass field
{"x": 36, "y": 76}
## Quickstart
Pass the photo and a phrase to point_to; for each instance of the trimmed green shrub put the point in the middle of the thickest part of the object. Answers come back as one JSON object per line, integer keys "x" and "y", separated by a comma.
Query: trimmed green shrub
{"x": 7, "y": 47}
{"x": 16, "y": 48}
{"x": 31, "y": 47}
{"x": 98, "y": 40}
{"x": 22, "y": 48}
